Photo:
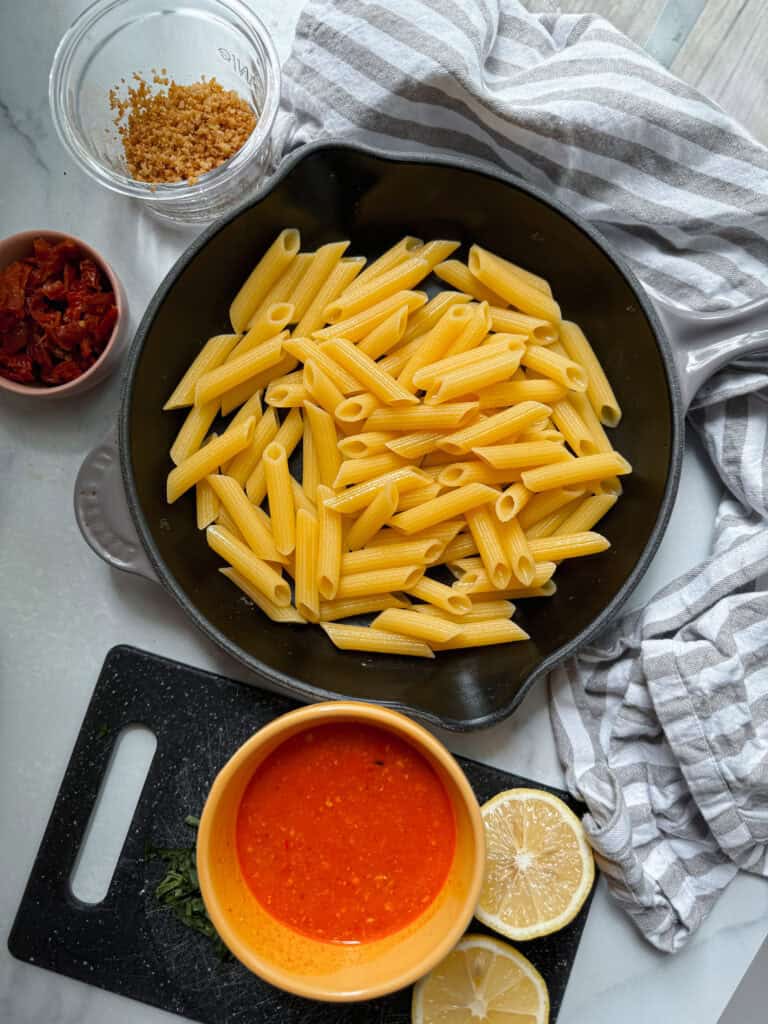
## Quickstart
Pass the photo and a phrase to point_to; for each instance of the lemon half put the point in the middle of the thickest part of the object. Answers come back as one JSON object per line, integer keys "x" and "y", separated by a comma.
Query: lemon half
{"x": 539, "y": 867}
{"x": 481, "y": 980}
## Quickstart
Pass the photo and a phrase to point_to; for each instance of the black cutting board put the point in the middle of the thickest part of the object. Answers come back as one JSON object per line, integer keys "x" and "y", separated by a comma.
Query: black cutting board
{"x": 127, "y": 943}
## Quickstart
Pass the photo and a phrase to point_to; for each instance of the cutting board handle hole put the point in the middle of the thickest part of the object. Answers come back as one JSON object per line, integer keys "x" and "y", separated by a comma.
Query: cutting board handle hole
{"x": 112, "y": 813}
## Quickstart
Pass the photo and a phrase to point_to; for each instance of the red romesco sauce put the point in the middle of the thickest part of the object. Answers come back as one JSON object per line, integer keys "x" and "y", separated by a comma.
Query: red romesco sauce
{"x": 345, "y": 833}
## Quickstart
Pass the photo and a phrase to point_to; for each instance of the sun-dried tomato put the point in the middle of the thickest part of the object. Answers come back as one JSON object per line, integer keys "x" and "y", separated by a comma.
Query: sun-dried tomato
{"x": 57, "y": 312}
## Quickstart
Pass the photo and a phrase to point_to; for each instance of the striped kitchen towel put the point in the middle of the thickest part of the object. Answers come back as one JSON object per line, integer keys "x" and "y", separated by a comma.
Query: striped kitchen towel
{"x": 662, "y": 725}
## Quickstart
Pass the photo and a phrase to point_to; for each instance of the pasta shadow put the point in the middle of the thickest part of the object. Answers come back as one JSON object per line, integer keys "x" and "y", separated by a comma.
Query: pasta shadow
{"x": 333, "y": 191}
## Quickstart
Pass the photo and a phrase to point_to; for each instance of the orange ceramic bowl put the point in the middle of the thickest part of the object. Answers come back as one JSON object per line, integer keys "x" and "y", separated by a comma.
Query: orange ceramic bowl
{"x": 324, "y": 970}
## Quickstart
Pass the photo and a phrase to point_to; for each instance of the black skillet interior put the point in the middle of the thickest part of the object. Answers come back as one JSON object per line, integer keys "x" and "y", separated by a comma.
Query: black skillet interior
{"x": 340, "y": 192}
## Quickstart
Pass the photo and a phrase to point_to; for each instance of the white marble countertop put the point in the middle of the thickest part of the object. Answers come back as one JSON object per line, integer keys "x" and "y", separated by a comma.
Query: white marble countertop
{"x": 61, "y": 609}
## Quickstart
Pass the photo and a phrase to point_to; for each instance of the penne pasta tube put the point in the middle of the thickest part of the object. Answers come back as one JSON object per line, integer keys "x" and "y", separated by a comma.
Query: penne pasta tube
{"x": 443, "y": 532}
{"x": 511, "y": 502}
{"x": 583, "y": 407}
{"x": 351, "y": 607}
{"x": 244, "y": 463}
{"x": 321, "y": 388}
{"x": 504, "y": 279}
{"x": 195, "y": 427}
{"x": 434, "y": 345}
{"x": 512, "y": 392}
{"x": 441, "y": 596}
{"x": 301, "y": 498}
{"x": 538, "y": 332}
{"x": 307, "y": 593}
{"x": 571, "y": 545}
{"x": 520, "y": 555}
{"x": 444, "y": 507}
{"x": 560, "y": 369}
{"x": 288, "y": 435}
{"x": 368, "y": 373}
{"x": 424, "y": 319}
{"x": 355, "y": 498}
{"x": 266, "y": 272}
{"x": 208, "y": 459}
{"x": 541, "y": 505}
{"x": 206, "y": 504}
{"x": 394, "y": 363}
{"x": 305, "y": 349}
{"x": 342, "y": 275}
{"x": 369, "y": 559}
{"x": 423, "y": 417}
{"x": 246, "y": 517}
{"x": 541, "y": 434}
{"x": 325, "y": 443}
{"x": 573, "y": 428}
{"x": 549, "y": 525}
{"x": 576, "y": 471}
{"x": 361, "y": 446}
{"x": 479, "y": 612}
{"x": 463, "y": 546}
{"x": 534, "y": 280}
{"x": 477, "y": 581}
{"x": 363, "y": 638}
{"x": 393, "y": 257}
{"x": 412, "y": 499}
{"x": 437, "y": 251}
{"x": 284, "y": 287}
{"x": 495, "y": 428}
{"x": 328, "y": 546}
{"x": 252, "y": 407}
{"x": 266, "y": 325}
{"x": 224, "y": 520}
{"x": 282, "y": 507}
{"x": 475, "y": 333}
{"x": 384, "y": 337}
{"x": 354, "y": 412}
{"x": 261, "y": 575}
{"x": 210, "y": 356}
{"x": 242, "y": 392}
{"x": 458, "y": 276}
{"x": 519, "y": 455}
{"x": 354, "y": 471}
{"x": 356, "y": 327}
{"x": 382, "y": 581}
{"x": 236, "y": 371}
{"x": 484, "y": 633}
{"x": 323, "y": 262}
{"x": 586, "y": 514}
{"x": 359, "y": 297}
{"x": 379, "y": 511}
{"x": 470, "y": 379}
{"x": 310, "y": 471}
{"x": 413, "y": 446}
{"x": 495, "y": 557}
{"x": 548, "y": 589}
{"x": 270, "y": 609}
{"x": 599, "y": 390}
{"x": 427, "y": 376}
{"x": 409, "y": 623}
{"x": 460, "y": 473}
{"x": 288, "y": 395}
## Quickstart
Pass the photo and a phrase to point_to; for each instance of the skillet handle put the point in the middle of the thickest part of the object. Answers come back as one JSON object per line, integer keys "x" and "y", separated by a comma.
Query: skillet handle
{"x": 703, "y": 343}
{"x": 101, "y": 510}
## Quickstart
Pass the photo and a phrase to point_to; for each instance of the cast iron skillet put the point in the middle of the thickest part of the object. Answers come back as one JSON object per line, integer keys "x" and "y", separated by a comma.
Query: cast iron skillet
{"x": 333, "y": 191}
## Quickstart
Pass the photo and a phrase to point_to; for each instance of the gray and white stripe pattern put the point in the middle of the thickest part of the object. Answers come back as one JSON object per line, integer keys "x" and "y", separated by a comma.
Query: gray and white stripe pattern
{"x": 662, "y": 725}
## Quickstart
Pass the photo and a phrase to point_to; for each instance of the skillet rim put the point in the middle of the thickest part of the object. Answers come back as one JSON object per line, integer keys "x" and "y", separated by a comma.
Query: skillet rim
{"x": 307, "y": 692}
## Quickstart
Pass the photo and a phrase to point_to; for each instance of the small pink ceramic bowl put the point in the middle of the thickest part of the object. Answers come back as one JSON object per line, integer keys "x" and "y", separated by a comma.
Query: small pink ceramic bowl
{"x": 17, "y": 246}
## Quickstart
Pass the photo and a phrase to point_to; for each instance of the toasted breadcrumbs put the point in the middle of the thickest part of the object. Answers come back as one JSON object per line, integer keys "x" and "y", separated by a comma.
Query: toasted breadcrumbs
{"x": 180, "y": 131}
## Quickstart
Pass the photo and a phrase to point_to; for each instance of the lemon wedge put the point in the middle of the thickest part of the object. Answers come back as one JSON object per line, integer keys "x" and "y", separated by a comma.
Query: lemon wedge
{"x": 481, "y": 980}
{"x": 539, "y": 867}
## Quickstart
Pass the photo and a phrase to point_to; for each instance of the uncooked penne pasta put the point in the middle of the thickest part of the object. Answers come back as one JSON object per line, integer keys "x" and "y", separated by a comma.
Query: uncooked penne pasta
{"x": 359, "y": 297}
{"x": 393, "y": 257}
{"x": 583, "y": 407}
{"x": 245, "y": 461}
{"x": 541, "y": 505}
{"x": 427, "y": 376}
{"x": 458, "y": 276}
{"x": 384, "y": 337}
{"x": 519, "y": 455}
{"x": 576, "y": 471}
{"x": 460, "y": 473}
{"x": 353, "y": 412}
{"x": 287, "y": 395}
{"x": 550, "y": 524}
{"x": 323, "y": 262}
{"x": 539, "y": 332}
{"x": 284, "y": 287}
{"x": 437, "y": 251}
{"x": 484, "y": 528}
{"x": 357, "y": 497}
{"x": 413, "y": 499}
{"x": 587, "y": 513}
{"x": 321, "y": 388}
{"x": 511, "y": 502}
{"x": 325, "y": 443}
{"x": 573, "y": 428}
{"x": 305, "y": 349}
{"x": 352, "y": 607}
{"x": 434, "y": 345}
{"x": 599, "y": 390}
{"x": 328, "y": 546}
{"x": 214, "y": 383}
{"x": 367, "y": 372}
{"x": 503, "y": 279}
{"x": 307, "y": 593}
{"x": 354, "y": 471}
{"x": 484, "y": 633}
{"x": 443, "y": 532}
{"x": 206, "y": 504}
{"x": 409, "y": 623}
{"x": 470, "y": 379}
{"x": 195, "y": 427}
{"x": 363, "y": 638}
{"x": 282, "y": 507}
{"x": 208, "y": 460}
{"x": 210, "y": 356}
{"x": 269, "y": 268}
{"x": 239, "y": 394}
{"x": 379, "y": 511}
{"x": 462, "y": 546}
{"x": 310, "y": 471}
{"x": 413, "y": 446}
{"x": 270, "y": 609}
{"x": 558, "y": 368}
{"x": 445, "y": 506}
{"x": 265, "y": 325}
{"x": 380, "y": 582}
{"x": 368, "y": 559}
{"x": 495, "y": 428}
{"x": 301, "y": 498}
{"x": 249, "y": 565}
{"x": 441, "y": 596}
{"x": 477, "y": 582}
{"x": 571, "y": 545}
{"x": 288, "y": 435}
{"x": 361, "y": 446}
{"x": 424, "y": 319}
{"x": 342, "y": 275}
{"x": 521, "y": 556}
{"x": 500, "y": 396}
{"x": 247, "y": 518}
{"x": 356, "y": 327}
{"x": 423, "y": 417}
{"x": 475, "y": 333}
{"x": 480, "y": 611}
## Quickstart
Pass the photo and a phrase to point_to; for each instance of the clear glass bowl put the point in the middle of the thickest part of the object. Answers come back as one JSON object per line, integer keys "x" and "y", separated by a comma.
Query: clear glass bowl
{"x": 112, "y": 39}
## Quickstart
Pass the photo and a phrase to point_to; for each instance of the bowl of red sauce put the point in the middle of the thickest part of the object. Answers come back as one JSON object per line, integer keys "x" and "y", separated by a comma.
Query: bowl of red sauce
{"x": 62, "y": 315}
{"x": 340, "y": 852}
